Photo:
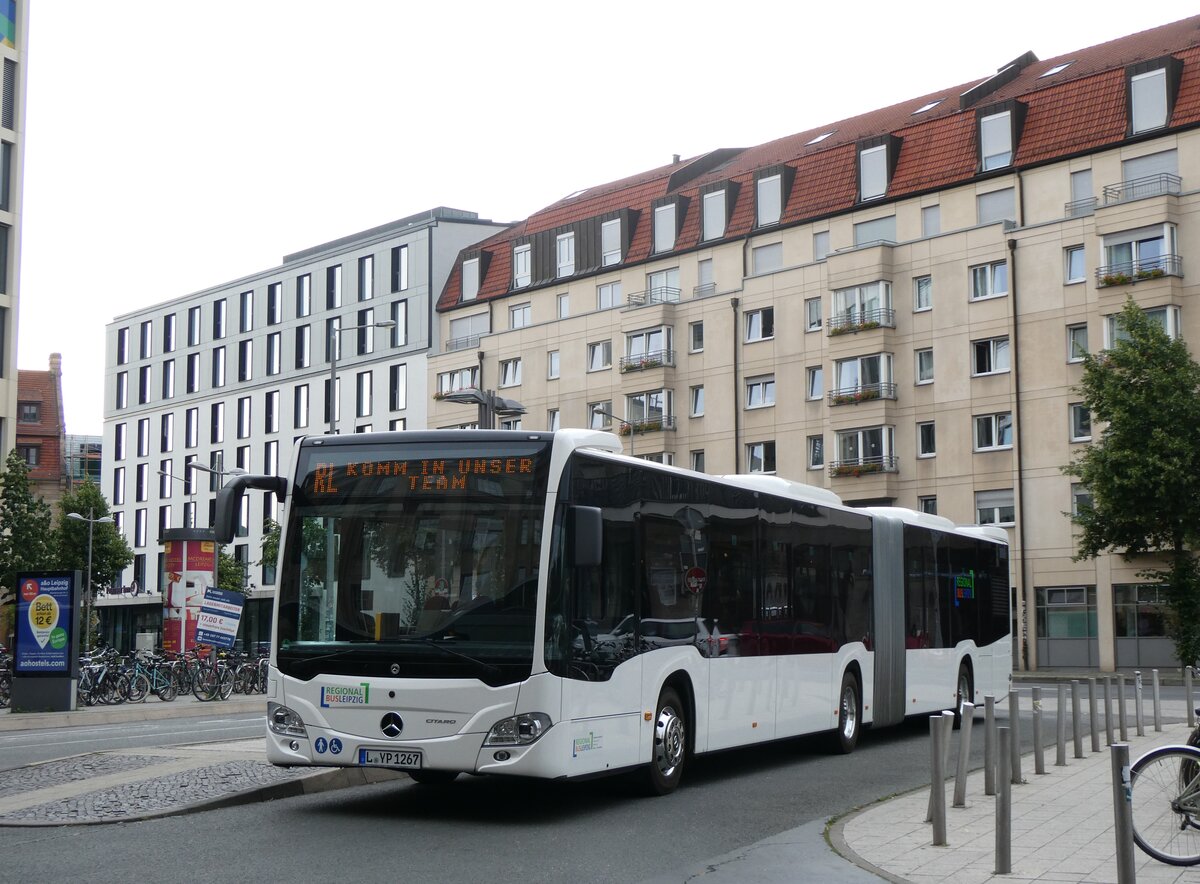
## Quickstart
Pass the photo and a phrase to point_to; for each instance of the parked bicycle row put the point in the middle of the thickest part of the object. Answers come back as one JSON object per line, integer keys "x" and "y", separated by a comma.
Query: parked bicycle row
{"x": 108, "y": 677}
{"x": 5, "y": 676}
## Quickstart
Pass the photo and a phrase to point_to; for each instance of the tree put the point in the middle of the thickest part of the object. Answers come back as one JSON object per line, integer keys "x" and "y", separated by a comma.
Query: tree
{"x": 110, "y": 553}
{"x": 231, "y": 574}
{"x": 25, "y": 525}
{"x": 1143, "y": 474}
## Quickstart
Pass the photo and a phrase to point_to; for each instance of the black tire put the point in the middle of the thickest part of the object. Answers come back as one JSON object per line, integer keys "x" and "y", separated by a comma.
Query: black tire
{"x": 139, "y": 687}
{"x": 1165, "y": 802}
{"x": 669, "y": 749}
{"x": 206, "y": 683}
{"x": 849, "y": 723}
{"x": 225, "y": 687}
{"x": 433, "y": 777}
{"x": 964, "y": 692}
{"x": 166, "y": 691}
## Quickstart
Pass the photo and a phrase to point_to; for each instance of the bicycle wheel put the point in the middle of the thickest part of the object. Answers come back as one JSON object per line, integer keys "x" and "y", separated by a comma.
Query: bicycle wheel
{"x": 206, "y": 683}
{"x": 5, "y": 688}
{"x": 245, "y": 679}
{"x": 226, "y": 682}
{"x": 139, "y": 686}
{"x": 165, "y": 690}
{"x": 1165, "y": 788}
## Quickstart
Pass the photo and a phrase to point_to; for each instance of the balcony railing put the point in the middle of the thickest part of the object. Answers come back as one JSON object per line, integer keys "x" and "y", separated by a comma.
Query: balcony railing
{"x": 1135, "y": 271}
{"x": 649, "y": 425}
{"x": 468, "y": 343}
{"x": 861, "y": 320}
{"x": 1080, "y": 208}
{"x": 662, "y": 294}
{"x": 1138, "y": 188}
{"x": 861, "y": 393}
{"x": 647, "y": 361}
{"x": 885, "y": 463}
{"x": 703, "y": 291}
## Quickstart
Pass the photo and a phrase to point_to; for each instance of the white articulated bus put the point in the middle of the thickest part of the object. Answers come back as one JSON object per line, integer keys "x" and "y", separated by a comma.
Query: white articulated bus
{"x": 539, "y": 604}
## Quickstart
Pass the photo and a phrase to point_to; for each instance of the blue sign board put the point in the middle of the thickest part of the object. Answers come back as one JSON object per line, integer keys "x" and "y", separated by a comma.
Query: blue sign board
{"x": 45, "y": 605}
{"x": 220, "y": 614}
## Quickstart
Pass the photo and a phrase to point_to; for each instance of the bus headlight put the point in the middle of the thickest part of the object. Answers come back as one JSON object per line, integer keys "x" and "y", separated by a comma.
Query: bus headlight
{"x": 284, "y": 721}
{"x": 520, "y": 730}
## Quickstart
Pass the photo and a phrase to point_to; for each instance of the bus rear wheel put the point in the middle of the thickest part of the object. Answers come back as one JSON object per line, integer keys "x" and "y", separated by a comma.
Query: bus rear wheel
{"x": 849, "y": 714}
{"x": 965, "y": 693}
{"x": 669, "y": 750}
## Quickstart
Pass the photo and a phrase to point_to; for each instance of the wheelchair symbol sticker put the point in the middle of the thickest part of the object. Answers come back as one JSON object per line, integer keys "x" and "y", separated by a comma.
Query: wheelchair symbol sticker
{"x": 335, "y": 746}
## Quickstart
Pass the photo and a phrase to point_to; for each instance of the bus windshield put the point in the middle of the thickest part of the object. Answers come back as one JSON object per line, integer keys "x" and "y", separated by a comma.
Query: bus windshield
{"x": 415, "y": 560}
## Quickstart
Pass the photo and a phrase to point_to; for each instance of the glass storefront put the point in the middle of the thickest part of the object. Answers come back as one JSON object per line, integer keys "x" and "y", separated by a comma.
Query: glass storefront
{"x": 1067, "y": 632}
{"x": 1140, "y": 627}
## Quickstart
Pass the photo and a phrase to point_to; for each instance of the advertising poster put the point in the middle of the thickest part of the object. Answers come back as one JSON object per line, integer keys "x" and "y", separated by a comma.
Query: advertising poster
{"x": 219, "y": 618}
{"x": 44, "y": 606}
{"x": 190, "y": 567}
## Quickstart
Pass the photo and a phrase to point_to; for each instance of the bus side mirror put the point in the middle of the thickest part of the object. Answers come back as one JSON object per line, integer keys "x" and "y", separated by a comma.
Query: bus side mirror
{"x": 586, "y": 527}
{"x": 229, "y": 502}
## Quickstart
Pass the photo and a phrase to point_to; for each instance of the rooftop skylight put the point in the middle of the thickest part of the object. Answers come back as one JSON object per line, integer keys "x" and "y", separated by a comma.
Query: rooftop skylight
{"x": 1056, "y": 69}
{"x": 820, "y": 138}
{"x": 930, "y": 106}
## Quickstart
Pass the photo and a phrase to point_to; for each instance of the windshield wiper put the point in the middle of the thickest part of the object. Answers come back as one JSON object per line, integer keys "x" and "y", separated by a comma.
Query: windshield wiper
{"x": 487, "y": 668}
{"x": 330, "y": 656}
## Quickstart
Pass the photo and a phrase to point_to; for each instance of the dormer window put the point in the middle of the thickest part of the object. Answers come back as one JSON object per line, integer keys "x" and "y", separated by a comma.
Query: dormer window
{"x": 714, "y": 215}
{"x": 610, "y": 242}
{"x": 664, "y": 228}
{"x": 1150, "y": 91}
{"x": 770, "y": 200}
{"x": 995, "y": 140}
{"x": 872, "y": 172}
{"x": 470, "y": 279}
{"x": 565, "y": 249}
{"x": 522, "y": 273}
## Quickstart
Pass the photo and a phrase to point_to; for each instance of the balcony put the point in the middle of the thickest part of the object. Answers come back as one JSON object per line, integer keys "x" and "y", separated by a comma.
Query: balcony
{"x": 1139, "y": 188}
{"x": 861, "y": 393}
{"x": 647, "y": 361}
{"x": 703, "y": 291}
{"x": 1133, "y": 272}
{"x": 861, "y": 320}
{"x": 864, "y": 466}
{"x": 1080, "y": 208}
{"x": 468, "y": 343}
{"x": 659, "y": 295}
{"x": 649, "y": 425}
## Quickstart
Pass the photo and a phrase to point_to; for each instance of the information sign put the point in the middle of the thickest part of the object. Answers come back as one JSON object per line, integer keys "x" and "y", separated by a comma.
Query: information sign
{"x": 220, "y": 614}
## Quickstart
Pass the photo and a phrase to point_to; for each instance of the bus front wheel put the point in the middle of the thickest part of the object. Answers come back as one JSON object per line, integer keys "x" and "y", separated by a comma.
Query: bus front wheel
{"x": 849, "y": 714}
{"x": 670, "y": 744}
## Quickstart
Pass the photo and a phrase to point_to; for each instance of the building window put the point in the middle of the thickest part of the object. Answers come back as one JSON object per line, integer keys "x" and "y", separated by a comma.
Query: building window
{"x": 816, "y": 452}
{"x": 470, "y": 279}
{"x": 564, "y": 305}
{"x": 366, "y": 332}
{"x": 989, "y": 356}
{"x": 881, "y": 230}
{"x": 599, "y": 355}
{"x": 143, "y": 437}
{"x": 118, "y": 491}
{"x": 925, "y": 366}
{"x": 245, "y": 360}
{"x": 610, "y": 242}
{"x": 399, "y": 331}
{"x": 191, "y": 428}
{"x": 271, "y": 412}
{"x": 275, "y": 303}
{"x": 463, "y": 379}
{"x": 303, "y": 295}
{"x": 145, "y": 340}
{"x": 333, "y": 287}
{"x": 1077, "y": 342}
{"x": 927, "y": 504}
{"x": 399, "y": 268}
{"x": 769, "y": 203}
{"x": 141, "y": 489}
{"x": 697, "y": 401}
{"x": 995, "y": 140}
{"x": 1134, "y": 254}
{"x": 1081, "y": 498}
{"x": 397, "y": 387}
{"x": 926, "y": 439}
{"x": 995, "y": 508}
{"x": 29, "y": 454}
{"x": 300, "y": 407}
{"x": 303, "y": 346}
{"x": 662, "y": 286}
{"x": 1076, "y": 270}
{"x": 366, "y": 277}
{"x": 649, "y": 345}
{"x": 760, "y": 457}
{"x": 993, "y": 432}
{"x": 143, "y": 385}
{"x": 243, "y": 417}
{"x": 122, "y": 390}
{"x": 820, "y": 245}
{"x": 760, "y": 325}
{"x": 510, "y": 372}
{"x": 598, "y": 415}
{"x": 119, "y": 433}
{"x": 863, "y": 377}
{"x": 760, "y": 391}
{"x": 216, "y": 426}
{"x": 363, "y": 394}
{"x": 169, "y": 333}
{"x": 705, "y": 284}
{"x": 29, "y": 412}
{"x": 815, "y": 382}
{"x": 999, "y": 205}
{"x": 166, "y": 433}
{"x": 218, "y": 322}
{"x": 649, "y": 408}
{"x": 872, "y": 172}
{"x": 713, "y": 220}
{"x": 246, "y": 311}
{"x": 695, "y": 337}
{"x": 1166, "y": 317}
{"x": 766, "y": 259}
{"x": 565, "y": 249}
{"x": 552, "y": 365}
{"x": 696, "y": 461}
{"x": 812, "y": 314}
{"x": 1148, "y": 100}
{"x": 520, "y": 316}
{"x": 1081, "y": 422}
{"x": 193, "y": 372}
{"x": 931, "y": 220}
{"x": 122, "y": 346}
{"x": 274, "y": 363}
{"x": 608, "y": 295}
{"x": 664, "y": 228}
{"x": 922, "y": 293}
{"x": 989, "y": 280}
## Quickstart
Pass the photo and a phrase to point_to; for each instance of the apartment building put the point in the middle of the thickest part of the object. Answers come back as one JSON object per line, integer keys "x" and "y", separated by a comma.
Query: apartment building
{"x": 226, "y": 379}
{"x": 41, "y": 431}
{"x": 14, "y": 18}
{"x": 893, "y": 306}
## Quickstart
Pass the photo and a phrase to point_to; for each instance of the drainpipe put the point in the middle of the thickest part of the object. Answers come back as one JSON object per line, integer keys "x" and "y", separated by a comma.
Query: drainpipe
{"x": 737, "y": 416}
{"x": 1016, "y": 374}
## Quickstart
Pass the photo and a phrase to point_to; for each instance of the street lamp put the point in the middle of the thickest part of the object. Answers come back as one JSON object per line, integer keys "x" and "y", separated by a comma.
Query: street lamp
{"x": 216, "y": 471}
{"x": 600, "y": 409}
{"x": 490, "y": 405}
{"x": 87, "y": 609}
{"x": 334, "y": 340}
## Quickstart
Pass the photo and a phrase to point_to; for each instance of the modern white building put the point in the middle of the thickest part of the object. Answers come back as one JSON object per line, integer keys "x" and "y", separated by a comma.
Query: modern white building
{"x": 14, "y": 18}
{"x": 229, "y": 377}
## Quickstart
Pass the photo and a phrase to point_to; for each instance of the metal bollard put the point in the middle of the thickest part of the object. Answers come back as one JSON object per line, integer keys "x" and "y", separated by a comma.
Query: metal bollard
{"x": 1039, "y": 752}
{"x": 1123, "y": 813}
{"x": 964, "y": 755}
{"x": 1014, "y": 725}
{"x": 989, "y": 745}
{"x": 937, "y": 784}
{"x": 946, "y": 723}
{"x": 1157, "y": 701}
{"x": 1060, "y": 757}
{"x": 1004, "y": 807}
{"x": 1108, "y": 725}
{"x": 1187, "y": 696}
{"x": 1137, "y": 703}
{"x": 1121, "y": 709}
{"x": 1092, "y": 714}
{"x": 1076, "y": 728}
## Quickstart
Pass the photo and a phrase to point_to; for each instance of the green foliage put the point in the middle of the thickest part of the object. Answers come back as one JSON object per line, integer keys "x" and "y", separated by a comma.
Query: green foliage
{"x": 25, "y": 526}
{"x": 1143, "y": 473}
{"x": 230, "y": 573}
{"x": 110, "y": 553}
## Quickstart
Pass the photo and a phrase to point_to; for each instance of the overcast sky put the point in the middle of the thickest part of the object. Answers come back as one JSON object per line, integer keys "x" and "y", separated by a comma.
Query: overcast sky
{"x": 174, "y": 146}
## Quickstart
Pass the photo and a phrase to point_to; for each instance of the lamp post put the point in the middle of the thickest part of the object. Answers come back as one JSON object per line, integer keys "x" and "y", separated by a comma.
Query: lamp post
{"x": 490, "y": 405}
{"x": 599, "y": 409}
{"x": 334, "y": 341}
{"x": 87, "y": 608}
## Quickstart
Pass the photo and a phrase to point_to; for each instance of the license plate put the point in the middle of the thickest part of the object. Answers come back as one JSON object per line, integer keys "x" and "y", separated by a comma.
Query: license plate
{"x": 407, "y": 759}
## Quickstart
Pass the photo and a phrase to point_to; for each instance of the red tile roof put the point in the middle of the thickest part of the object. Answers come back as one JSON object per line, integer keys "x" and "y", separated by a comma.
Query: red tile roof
{"x": 1081, "y": 108}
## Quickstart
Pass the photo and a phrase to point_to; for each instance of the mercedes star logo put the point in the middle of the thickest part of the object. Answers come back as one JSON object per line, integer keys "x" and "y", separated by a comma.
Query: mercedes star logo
{"x": 395, "y": 669}
{"x": 391, "y": 725}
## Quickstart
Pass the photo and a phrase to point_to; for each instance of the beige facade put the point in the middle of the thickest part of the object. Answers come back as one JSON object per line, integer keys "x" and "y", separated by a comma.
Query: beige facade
{"x": 13, "y": 42}
{"x": 996, "y": 352}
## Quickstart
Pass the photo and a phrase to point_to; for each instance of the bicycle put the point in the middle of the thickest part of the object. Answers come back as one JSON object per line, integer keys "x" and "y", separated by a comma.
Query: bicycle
{"x": 5, "y": 677}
